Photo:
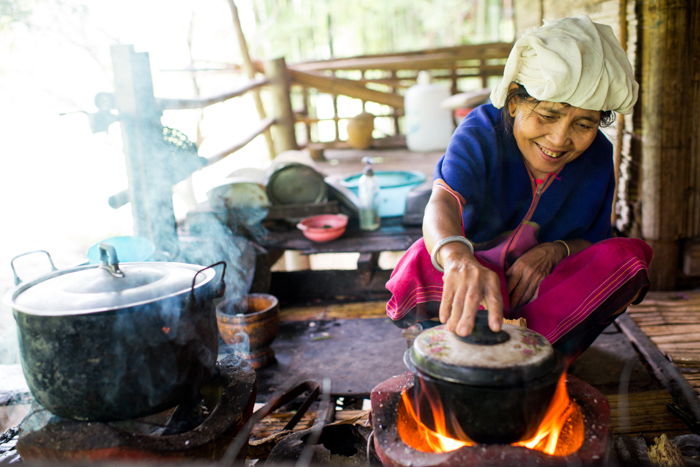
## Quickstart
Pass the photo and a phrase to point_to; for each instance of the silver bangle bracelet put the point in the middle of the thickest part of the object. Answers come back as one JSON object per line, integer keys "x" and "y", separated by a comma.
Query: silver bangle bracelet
{"x": 445, "y": 241}
{"x": 566, "y": 245}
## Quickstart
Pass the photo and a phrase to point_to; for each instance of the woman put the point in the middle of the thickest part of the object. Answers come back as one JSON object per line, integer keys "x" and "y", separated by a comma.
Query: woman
{"x": 519, "y": 215}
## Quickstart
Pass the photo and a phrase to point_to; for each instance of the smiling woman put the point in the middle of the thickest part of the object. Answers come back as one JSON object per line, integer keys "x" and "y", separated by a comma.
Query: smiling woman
{"x": 519, "y": 216}
{"x": 549, "y": 134}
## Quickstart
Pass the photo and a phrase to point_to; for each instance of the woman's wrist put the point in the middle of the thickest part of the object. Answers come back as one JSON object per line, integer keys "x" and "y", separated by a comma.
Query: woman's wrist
{"x": 439, "y": 246}
{"x": 563, "y": 246}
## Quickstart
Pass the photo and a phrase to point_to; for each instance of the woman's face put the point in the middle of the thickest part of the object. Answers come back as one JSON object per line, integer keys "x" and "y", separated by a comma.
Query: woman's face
{"x": 551, "y": 134}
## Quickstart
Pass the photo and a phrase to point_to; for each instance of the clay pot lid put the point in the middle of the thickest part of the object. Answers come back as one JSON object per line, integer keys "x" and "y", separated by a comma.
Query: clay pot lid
{"x": 513, "y": 356}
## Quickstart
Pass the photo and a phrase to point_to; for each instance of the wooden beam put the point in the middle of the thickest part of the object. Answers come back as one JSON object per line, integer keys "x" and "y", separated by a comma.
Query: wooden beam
{"x": 386, "y": 61}
{"x": 422, "y": 62}
{"x": 346, "y": 87}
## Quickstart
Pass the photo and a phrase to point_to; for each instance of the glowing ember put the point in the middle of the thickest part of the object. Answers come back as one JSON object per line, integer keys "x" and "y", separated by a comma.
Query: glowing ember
{"x": 560, "y": 433}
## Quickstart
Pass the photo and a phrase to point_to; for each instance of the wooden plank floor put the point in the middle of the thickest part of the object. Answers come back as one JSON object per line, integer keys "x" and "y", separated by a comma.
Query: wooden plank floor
{"x": 672, "y": 322}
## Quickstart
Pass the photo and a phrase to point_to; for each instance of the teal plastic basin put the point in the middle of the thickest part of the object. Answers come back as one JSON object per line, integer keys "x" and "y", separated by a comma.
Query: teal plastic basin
{"x": 129, "y": 249}
{"x": 394, "y": 186}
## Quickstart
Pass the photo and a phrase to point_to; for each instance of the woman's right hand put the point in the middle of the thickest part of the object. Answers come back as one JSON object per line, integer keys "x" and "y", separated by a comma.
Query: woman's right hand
{"x": 467, "y": 285}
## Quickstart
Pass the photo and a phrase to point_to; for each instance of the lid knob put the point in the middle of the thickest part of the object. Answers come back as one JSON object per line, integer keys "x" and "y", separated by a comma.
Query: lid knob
{"x": 110, "y": 262}
{"x": 482, "y": 333}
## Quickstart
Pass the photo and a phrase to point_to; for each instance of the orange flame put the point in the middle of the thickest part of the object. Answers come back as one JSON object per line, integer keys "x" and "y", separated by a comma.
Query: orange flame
{"x": 560, "y": 433}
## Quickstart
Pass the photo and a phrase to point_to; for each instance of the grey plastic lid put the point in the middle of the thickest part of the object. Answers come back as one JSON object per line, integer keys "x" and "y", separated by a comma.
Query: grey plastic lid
{"x": 296, "y": 183}
{"x": 92, "y": 288}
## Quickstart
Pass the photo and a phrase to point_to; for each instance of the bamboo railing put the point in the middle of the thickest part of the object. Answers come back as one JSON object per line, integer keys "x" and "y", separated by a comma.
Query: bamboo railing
{"x": 151, "y": 172}
{"x": 382, "y": 80}
{"x": 391, "y": 74}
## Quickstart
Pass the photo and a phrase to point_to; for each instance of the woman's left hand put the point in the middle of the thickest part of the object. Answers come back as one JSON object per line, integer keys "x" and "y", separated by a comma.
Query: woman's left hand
{"x": 528, "y": 271}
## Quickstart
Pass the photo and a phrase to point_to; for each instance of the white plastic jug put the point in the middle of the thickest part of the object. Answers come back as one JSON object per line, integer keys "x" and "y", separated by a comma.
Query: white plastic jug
{"x": 429, "y": 126}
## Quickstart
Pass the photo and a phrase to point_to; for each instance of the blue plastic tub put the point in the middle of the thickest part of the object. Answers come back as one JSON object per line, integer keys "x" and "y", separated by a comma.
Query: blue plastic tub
{"x": 394, "y": 186}
{"x": 129, "y": 249}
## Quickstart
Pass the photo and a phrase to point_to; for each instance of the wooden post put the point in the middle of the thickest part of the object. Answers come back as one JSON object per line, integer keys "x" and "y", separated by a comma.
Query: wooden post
{"x": 364, "y": 102}
{"x": 394, "y": 111}
{"x": 620, "y": 118}
{"x": 281, "y": 105}
{"x": 666, "y": 130}
{"x": 147, "y": 165}
{"x": 250, "y": 72}
{"x": 336, "y": 130}
{"x": 306, "y": 102}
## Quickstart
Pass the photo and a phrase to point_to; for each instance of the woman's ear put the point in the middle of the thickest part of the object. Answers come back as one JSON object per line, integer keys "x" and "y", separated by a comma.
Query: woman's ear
{"x": 512, "y": 103}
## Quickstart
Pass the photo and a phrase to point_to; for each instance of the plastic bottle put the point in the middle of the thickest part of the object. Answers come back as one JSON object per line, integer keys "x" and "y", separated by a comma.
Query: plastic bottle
{"x": 368, "y": 194}
{"x": 429, "y": 126}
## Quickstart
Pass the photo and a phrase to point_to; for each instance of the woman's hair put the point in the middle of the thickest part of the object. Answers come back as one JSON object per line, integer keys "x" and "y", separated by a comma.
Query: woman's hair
{"x": 607, "y": 117}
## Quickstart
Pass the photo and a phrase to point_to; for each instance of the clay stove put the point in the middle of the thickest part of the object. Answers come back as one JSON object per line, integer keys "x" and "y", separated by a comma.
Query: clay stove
{"x": 391, "y": 419}
{"x": 203, "y": 430}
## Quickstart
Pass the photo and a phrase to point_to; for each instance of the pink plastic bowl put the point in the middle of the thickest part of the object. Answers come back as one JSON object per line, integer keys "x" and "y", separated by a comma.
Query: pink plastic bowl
{"x": 323, "y": 228}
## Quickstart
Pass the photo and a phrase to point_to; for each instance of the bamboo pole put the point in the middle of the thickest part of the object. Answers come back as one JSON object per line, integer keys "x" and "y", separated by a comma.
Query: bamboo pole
{"x": 336, "y": 128}
{"x": 167, "y": 103}
{"x": 250, "y": 71}
{"x": 306, "y": 103}
{"x": 281, "y": 106}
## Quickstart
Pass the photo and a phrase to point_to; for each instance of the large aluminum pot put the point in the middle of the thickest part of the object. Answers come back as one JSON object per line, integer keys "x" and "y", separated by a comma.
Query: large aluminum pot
{"x": 490, "y": 387}
{"x": 117, "y": 341}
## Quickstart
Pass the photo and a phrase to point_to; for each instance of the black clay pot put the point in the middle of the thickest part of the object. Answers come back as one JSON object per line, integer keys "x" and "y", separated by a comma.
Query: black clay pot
{"x": 491, "y": 388}
{"x": 113, "y": 342}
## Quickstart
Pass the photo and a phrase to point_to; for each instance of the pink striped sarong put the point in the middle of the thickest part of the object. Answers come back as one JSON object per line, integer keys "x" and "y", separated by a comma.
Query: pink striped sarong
{"x": 575, "y": 302}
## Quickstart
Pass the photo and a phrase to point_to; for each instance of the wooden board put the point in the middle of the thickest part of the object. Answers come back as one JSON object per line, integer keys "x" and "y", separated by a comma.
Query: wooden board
{"x": 645, "y": 414}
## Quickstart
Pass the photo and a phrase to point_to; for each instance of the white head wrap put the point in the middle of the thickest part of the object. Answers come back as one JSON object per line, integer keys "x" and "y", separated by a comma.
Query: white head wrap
{"x": 571, "y": 60}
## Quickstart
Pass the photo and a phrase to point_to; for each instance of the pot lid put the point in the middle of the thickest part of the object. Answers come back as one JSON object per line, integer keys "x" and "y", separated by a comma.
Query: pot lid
{"x": 109, "y": 286}
{"x": 513, "y": 356}
{"x": 296, "y": 183}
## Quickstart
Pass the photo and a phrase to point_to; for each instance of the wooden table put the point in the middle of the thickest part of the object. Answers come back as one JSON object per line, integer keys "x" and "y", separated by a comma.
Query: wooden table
{"x": 364, "y": 283}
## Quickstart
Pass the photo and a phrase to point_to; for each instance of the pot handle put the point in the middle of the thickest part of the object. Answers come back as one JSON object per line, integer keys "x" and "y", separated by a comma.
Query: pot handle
{"x": 219, "y": 291}
{"x": 482, "y": 333}
{"x": 18, "y": 281}
{"x": 110, "y": 261}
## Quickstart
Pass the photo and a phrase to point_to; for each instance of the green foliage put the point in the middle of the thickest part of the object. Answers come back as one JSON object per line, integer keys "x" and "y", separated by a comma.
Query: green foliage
{"x": 321, "y": 29}
{"x": 14, "y": 11}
